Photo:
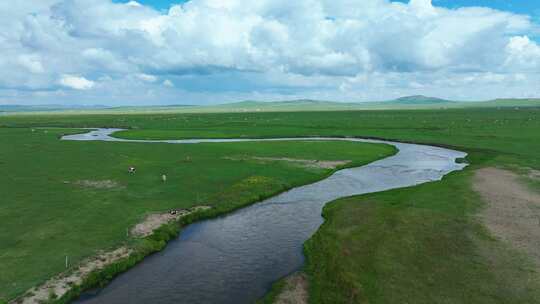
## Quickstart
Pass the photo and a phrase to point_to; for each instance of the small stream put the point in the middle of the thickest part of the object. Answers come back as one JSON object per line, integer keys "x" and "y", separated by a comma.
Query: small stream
{"x": 235, "y": 258}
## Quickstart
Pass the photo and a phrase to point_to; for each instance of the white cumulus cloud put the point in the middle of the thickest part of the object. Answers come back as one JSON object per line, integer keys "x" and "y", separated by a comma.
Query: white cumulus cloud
{"x": 522, "y": 53}
{"x": 146, "y": 77}
{"x": 76, "y": 82}
{"x": 32, "y": 63}
{"x": 133, "y": 3}
{"x": 336, "y": 49}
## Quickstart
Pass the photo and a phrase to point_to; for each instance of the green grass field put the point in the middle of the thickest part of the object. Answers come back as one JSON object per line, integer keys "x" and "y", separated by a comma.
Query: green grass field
{"x": 425, "y": 244}
{"x": 415, "y": 245}
{"x": 53, "y": 205}
{"x": 511, "y": 133}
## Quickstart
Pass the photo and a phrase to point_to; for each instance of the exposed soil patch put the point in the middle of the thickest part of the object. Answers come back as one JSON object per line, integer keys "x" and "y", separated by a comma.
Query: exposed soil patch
{"x": 512, "y": 212}
{"x": 154, "y": 221}
{"x": 306, "y": 163}
{"x": 295, "y": 290}
{"x": 58, "y": 286}
{"x": 98, "y": 184}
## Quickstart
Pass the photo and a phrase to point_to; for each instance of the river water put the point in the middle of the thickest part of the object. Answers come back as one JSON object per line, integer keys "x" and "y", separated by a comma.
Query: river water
{"x": 235, "y": 258}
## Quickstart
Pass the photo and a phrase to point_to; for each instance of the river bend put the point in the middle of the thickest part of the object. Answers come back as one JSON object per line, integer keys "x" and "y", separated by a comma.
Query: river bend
{"x": 235, "y": 258}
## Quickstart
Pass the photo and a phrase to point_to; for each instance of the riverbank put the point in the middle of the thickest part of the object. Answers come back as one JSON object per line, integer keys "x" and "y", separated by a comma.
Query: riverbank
{"x": 105, "y": 196}
{"x": 439, "y": 242}
{"x": 149, "y": 236}
{"x": 412, "y": 165}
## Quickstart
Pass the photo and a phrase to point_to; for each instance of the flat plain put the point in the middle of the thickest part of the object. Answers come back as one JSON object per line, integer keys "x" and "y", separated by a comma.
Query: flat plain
{"x": 425, "y": 244}
{"x": 73, "y": 199}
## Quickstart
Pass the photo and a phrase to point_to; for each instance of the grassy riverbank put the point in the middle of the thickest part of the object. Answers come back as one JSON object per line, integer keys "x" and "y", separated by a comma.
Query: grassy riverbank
{"x": 423, "y": 244}
{"x": 429, "y": 244}
{"x": 417, "y": 245}
{"x": 74, "y": 198}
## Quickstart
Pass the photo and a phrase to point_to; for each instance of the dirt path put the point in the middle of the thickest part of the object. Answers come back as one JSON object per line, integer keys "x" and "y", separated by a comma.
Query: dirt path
{"x": 512, "y": 212}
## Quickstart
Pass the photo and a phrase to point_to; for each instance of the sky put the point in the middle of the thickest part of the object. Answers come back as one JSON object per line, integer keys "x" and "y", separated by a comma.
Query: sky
{"x": 529, "y": 7}
{"x": 156, "y": 52}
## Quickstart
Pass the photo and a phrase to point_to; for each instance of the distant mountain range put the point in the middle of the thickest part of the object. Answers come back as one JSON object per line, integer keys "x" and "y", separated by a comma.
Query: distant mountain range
{"x": 419, "y": 99}
{"x": 47, "y": 108}
{"x": 408, "y": 102}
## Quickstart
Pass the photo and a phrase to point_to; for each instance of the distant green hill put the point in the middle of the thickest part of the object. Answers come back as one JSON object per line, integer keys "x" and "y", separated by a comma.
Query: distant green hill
{"x": 513, "y": 102}
{"x": 23, "y": 108}
{"x": 47, "y": 108}
{"x": 419, "y": 99}
{"x": 409, "y": 102}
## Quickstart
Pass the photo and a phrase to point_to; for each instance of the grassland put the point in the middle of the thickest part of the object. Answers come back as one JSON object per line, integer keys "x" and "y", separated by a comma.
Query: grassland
{"x": 63, "y": 198}
{"x": 511, "y": 134}
{"x": 416, "y": 245}
{"x": 425, "y": 244}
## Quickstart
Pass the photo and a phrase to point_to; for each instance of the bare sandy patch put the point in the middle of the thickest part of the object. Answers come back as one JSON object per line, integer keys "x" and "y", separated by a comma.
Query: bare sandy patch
{"x": 98, "y": 184}
{"x": 512, "y": 212}
{"x": 154, "y": 221}
{"x": 295, "y": 290}
{"x": 60, "y": 285}
{"x": 306, "y": 163}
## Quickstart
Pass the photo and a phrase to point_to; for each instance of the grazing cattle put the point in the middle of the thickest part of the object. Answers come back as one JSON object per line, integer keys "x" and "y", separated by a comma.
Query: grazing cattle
{"x": 164, "y": 178}
{"x": 132, "y": 170}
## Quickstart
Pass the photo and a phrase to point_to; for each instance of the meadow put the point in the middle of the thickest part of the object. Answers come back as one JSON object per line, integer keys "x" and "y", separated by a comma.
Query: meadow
{"x": 417, "y": 245}
{"x": 511, "y": 132}
{"x": 61, "y": 198}
{"x": 426, "y": 244}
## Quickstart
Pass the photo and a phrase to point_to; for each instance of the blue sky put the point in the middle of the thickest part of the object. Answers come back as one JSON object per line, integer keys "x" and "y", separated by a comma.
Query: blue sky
{"x": 211, "y": 51}
{"x": 530, "y": 7}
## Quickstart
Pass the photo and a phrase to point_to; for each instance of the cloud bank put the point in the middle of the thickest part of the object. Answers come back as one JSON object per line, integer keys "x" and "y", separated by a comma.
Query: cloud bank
{"x": 211, "y": 51}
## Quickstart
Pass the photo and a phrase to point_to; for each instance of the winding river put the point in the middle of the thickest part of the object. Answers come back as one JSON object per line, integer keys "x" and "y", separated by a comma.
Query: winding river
{"x": 236, "y": 257}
